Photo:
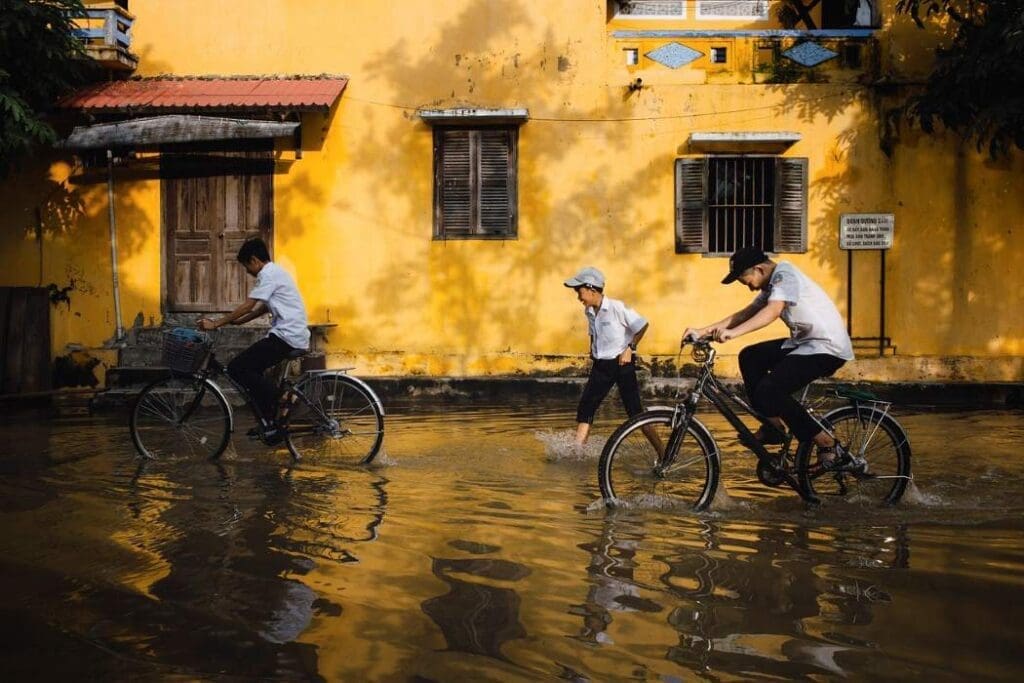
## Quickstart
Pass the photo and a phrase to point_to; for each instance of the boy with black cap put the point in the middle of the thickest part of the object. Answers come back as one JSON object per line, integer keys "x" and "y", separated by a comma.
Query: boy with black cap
{"x": 615, "y": 330}
{"x": 772, "y": 371}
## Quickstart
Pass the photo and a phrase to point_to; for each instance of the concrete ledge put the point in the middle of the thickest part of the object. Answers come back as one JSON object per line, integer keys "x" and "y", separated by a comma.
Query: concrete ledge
{"x": 496, "y": 390}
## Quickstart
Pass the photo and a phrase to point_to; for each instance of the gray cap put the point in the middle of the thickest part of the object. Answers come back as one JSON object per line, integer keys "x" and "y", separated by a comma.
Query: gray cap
{"x": 589, "y": 276}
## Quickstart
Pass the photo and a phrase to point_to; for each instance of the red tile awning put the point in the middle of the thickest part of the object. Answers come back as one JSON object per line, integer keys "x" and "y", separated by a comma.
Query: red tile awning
{"x": 165, "y": 94}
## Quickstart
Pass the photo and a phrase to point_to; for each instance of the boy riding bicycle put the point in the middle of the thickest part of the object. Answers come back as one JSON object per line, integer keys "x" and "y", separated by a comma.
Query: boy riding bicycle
{"x": 276, "y": 292}
{"x": 773, "y": 370}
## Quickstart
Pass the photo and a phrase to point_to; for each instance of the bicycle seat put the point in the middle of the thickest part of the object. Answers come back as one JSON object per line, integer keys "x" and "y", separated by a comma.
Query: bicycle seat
{"x": 297, "y": 353}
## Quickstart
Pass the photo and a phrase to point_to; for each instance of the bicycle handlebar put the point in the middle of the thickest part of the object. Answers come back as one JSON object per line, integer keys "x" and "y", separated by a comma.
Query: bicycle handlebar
{"x": 702, "y": 350}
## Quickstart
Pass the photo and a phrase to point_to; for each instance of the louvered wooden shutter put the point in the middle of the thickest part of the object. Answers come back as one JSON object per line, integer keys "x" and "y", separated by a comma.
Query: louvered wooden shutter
{"x": 691, "y": 206}
{"x": 454, "y": 182}
{"x": 475, "y": 183}
{"x": 790, "y": 205}
{"x": 496, "y": 181}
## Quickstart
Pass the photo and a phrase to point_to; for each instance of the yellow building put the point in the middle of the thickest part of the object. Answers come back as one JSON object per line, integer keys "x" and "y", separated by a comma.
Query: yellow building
{"x": 432, "y": 171}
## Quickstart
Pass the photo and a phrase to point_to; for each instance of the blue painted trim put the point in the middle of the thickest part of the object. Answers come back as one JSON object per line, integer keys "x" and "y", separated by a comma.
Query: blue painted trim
{"x": 763, "y": 33}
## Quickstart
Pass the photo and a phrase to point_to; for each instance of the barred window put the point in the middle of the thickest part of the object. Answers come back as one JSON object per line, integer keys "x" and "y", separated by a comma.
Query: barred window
{"x": 675, "y": 9}
{"x": 727, "y": 202}
{"x": 732, "y": 9}
{"x": 475, "y": 182}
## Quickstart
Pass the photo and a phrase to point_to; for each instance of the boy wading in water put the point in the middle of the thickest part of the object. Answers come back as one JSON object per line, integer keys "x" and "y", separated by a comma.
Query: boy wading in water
{"x": 615, "y": 330}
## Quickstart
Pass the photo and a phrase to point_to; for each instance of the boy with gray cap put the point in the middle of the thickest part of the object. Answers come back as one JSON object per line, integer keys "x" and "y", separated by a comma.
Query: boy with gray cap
{"x": 615, "y": 330}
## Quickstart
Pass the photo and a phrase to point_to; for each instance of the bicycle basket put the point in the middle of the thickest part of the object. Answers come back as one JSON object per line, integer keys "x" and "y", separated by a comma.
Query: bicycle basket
{"x": 185, "y": 350}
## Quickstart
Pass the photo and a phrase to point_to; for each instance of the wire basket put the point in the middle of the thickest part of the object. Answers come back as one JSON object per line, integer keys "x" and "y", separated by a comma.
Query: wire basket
{"x": 185, "y": 351}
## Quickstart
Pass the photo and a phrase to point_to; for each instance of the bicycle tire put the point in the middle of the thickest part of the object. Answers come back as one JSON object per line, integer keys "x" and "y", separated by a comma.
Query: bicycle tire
{"x": 355, "y": 430}
{"x": 177, "y": 416}
{"x": 870, "y": 434}
{"x": 627, "y": 470}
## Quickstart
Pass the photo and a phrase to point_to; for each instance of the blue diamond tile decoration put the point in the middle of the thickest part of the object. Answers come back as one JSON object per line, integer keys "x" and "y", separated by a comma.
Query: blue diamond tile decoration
{"x": 674, "y": 55}
{"x": 809, "y": 54}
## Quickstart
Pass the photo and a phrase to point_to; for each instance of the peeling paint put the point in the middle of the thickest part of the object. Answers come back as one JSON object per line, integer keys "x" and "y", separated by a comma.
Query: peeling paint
{"x": 75, "y": 370}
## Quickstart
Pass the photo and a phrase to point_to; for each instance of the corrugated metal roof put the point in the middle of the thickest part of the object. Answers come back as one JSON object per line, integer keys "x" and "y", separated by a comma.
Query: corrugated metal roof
{"x": 299, "y": 93}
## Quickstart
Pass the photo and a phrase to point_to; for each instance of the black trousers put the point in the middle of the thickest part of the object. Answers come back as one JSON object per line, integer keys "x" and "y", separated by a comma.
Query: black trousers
{"x": 249, "y": 367}
{"x": 603, "y": 374}
{"x": 772, "y": 374}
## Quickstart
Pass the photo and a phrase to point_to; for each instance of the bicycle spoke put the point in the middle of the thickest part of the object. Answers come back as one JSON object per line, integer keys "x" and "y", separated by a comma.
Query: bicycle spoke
{"x": 180, "y": 417}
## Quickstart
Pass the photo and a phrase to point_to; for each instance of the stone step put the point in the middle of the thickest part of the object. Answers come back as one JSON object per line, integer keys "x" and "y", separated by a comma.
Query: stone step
{"x": 122, "y": 377}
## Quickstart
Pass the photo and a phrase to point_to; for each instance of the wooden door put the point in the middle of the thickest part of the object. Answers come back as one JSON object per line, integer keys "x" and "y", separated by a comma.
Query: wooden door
{"x": 212, "y": 202}
{"x": 24, "y": 340}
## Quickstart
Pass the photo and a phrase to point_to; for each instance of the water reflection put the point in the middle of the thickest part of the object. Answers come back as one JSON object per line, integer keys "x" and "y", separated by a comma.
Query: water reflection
{"x": 741, "y": 596}
{"x": 475, "y": 616}
{"x": 475, "y": 555}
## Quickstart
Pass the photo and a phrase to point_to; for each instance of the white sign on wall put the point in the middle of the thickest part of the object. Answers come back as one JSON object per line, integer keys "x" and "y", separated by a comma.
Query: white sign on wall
{"x": 866, "y": 230}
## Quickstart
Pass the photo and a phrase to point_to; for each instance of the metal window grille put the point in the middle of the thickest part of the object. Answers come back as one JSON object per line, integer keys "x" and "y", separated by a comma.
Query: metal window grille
{"x": 740, "y": 203}
{"x": 729, "y": 9}
{"x": 652, "y": 8}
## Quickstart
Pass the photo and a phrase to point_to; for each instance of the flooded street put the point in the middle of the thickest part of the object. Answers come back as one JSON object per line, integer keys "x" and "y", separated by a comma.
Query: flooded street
{"x": 475, "y": 551}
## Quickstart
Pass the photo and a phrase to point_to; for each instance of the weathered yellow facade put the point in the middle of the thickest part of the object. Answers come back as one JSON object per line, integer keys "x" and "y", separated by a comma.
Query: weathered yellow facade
{"x": 354, "y": 215}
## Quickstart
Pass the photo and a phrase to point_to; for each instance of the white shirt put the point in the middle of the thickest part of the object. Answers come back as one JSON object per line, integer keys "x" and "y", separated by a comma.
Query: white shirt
{"x": 814, "y": 323}
{"x": 276, "y": 288}
{"x": 612, "y": 327}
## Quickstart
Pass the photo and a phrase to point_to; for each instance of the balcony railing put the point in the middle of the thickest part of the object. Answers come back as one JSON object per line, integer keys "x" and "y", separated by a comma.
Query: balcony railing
{"x": 106, "y": 32}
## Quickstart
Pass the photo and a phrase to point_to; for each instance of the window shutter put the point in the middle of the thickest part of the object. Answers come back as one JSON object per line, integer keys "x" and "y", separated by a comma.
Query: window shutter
{"x": 691, "y": 206}
{"x": 790, "y": 205}
{"x": 455, "y": 186}
{"x": 495, "y": 182}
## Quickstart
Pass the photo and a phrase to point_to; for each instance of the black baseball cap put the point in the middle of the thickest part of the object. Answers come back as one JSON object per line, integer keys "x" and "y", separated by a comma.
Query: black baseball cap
{"x": 741, "y": 259}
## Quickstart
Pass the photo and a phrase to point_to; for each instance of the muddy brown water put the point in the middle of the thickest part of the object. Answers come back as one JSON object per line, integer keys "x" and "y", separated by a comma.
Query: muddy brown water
{"x": 476, "y": 551}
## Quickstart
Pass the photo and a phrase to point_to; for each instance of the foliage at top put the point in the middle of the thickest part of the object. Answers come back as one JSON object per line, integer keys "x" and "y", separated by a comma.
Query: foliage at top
{"x": 41, "y": 60}
{"x": 976, "y": 89}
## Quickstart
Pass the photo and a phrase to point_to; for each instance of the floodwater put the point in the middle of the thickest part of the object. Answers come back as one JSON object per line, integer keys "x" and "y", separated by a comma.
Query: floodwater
{"x": 476, "y": 552}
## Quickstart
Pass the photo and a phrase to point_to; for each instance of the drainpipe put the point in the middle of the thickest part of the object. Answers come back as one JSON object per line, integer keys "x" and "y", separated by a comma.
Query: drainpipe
{"x": 113, "y": 244}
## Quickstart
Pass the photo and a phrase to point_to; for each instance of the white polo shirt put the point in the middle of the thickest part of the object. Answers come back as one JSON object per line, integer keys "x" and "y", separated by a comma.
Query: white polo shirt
{"x": 612, "y": 327}
{"x": 288, "y": 322}
{"x": 814, "y": 323}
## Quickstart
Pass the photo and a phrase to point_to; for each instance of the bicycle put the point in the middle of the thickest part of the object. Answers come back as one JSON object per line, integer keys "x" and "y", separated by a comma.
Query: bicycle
{"x": 669, "y": 453}
{"x": 329, "y": 413}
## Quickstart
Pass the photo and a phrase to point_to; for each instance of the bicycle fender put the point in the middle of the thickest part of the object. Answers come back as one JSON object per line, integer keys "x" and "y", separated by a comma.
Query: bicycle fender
{"x": 362, "y": 385}
{"x": 215, "y": 388}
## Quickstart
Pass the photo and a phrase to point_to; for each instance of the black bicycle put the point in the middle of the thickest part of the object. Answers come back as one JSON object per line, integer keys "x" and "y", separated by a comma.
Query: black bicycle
{"x": 668, "y": 453}
{"x": 327, "y": 415}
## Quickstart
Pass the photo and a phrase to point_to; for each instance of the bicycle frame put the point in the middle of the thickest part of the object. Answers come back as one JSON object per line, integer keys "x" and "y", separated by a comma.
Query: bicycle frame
{"x": 214, "y": 368}
{"x": 709, "y": 387}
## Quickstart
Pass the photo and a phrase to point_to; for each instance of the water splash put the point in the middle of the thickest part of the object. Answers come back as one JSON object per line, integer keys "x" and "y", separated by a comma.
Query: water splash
{"x": 650, "y": 501}
{"x": 917, "y": 497}
{"x": 382, "y": 460}
{"x": 722, "y": 501}
{"x": 562, "y": 446}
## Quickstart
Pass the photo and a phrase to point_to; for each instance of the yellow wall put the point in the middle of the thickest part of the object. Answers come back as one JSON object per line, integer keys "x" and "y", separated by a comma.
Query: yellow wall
{"x": 354, "y": 214}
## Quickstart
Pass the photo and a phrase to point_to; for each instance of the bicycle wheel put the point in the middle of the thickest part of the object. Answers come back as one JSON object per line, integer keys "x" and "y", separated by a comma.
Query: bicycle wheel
{"x": 336, "y": 419}
{"x": 179, "y": 416}
{"x": 870, "y": 434}
{"x": 630, "y": 469}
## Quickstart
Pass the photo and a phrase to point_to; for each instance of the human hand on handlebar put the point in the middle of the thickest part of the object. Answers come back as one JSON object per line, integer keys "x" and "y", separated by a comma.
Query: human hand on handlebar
{"x": 725, "y": 335}
{"x": 691, "y": 335}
